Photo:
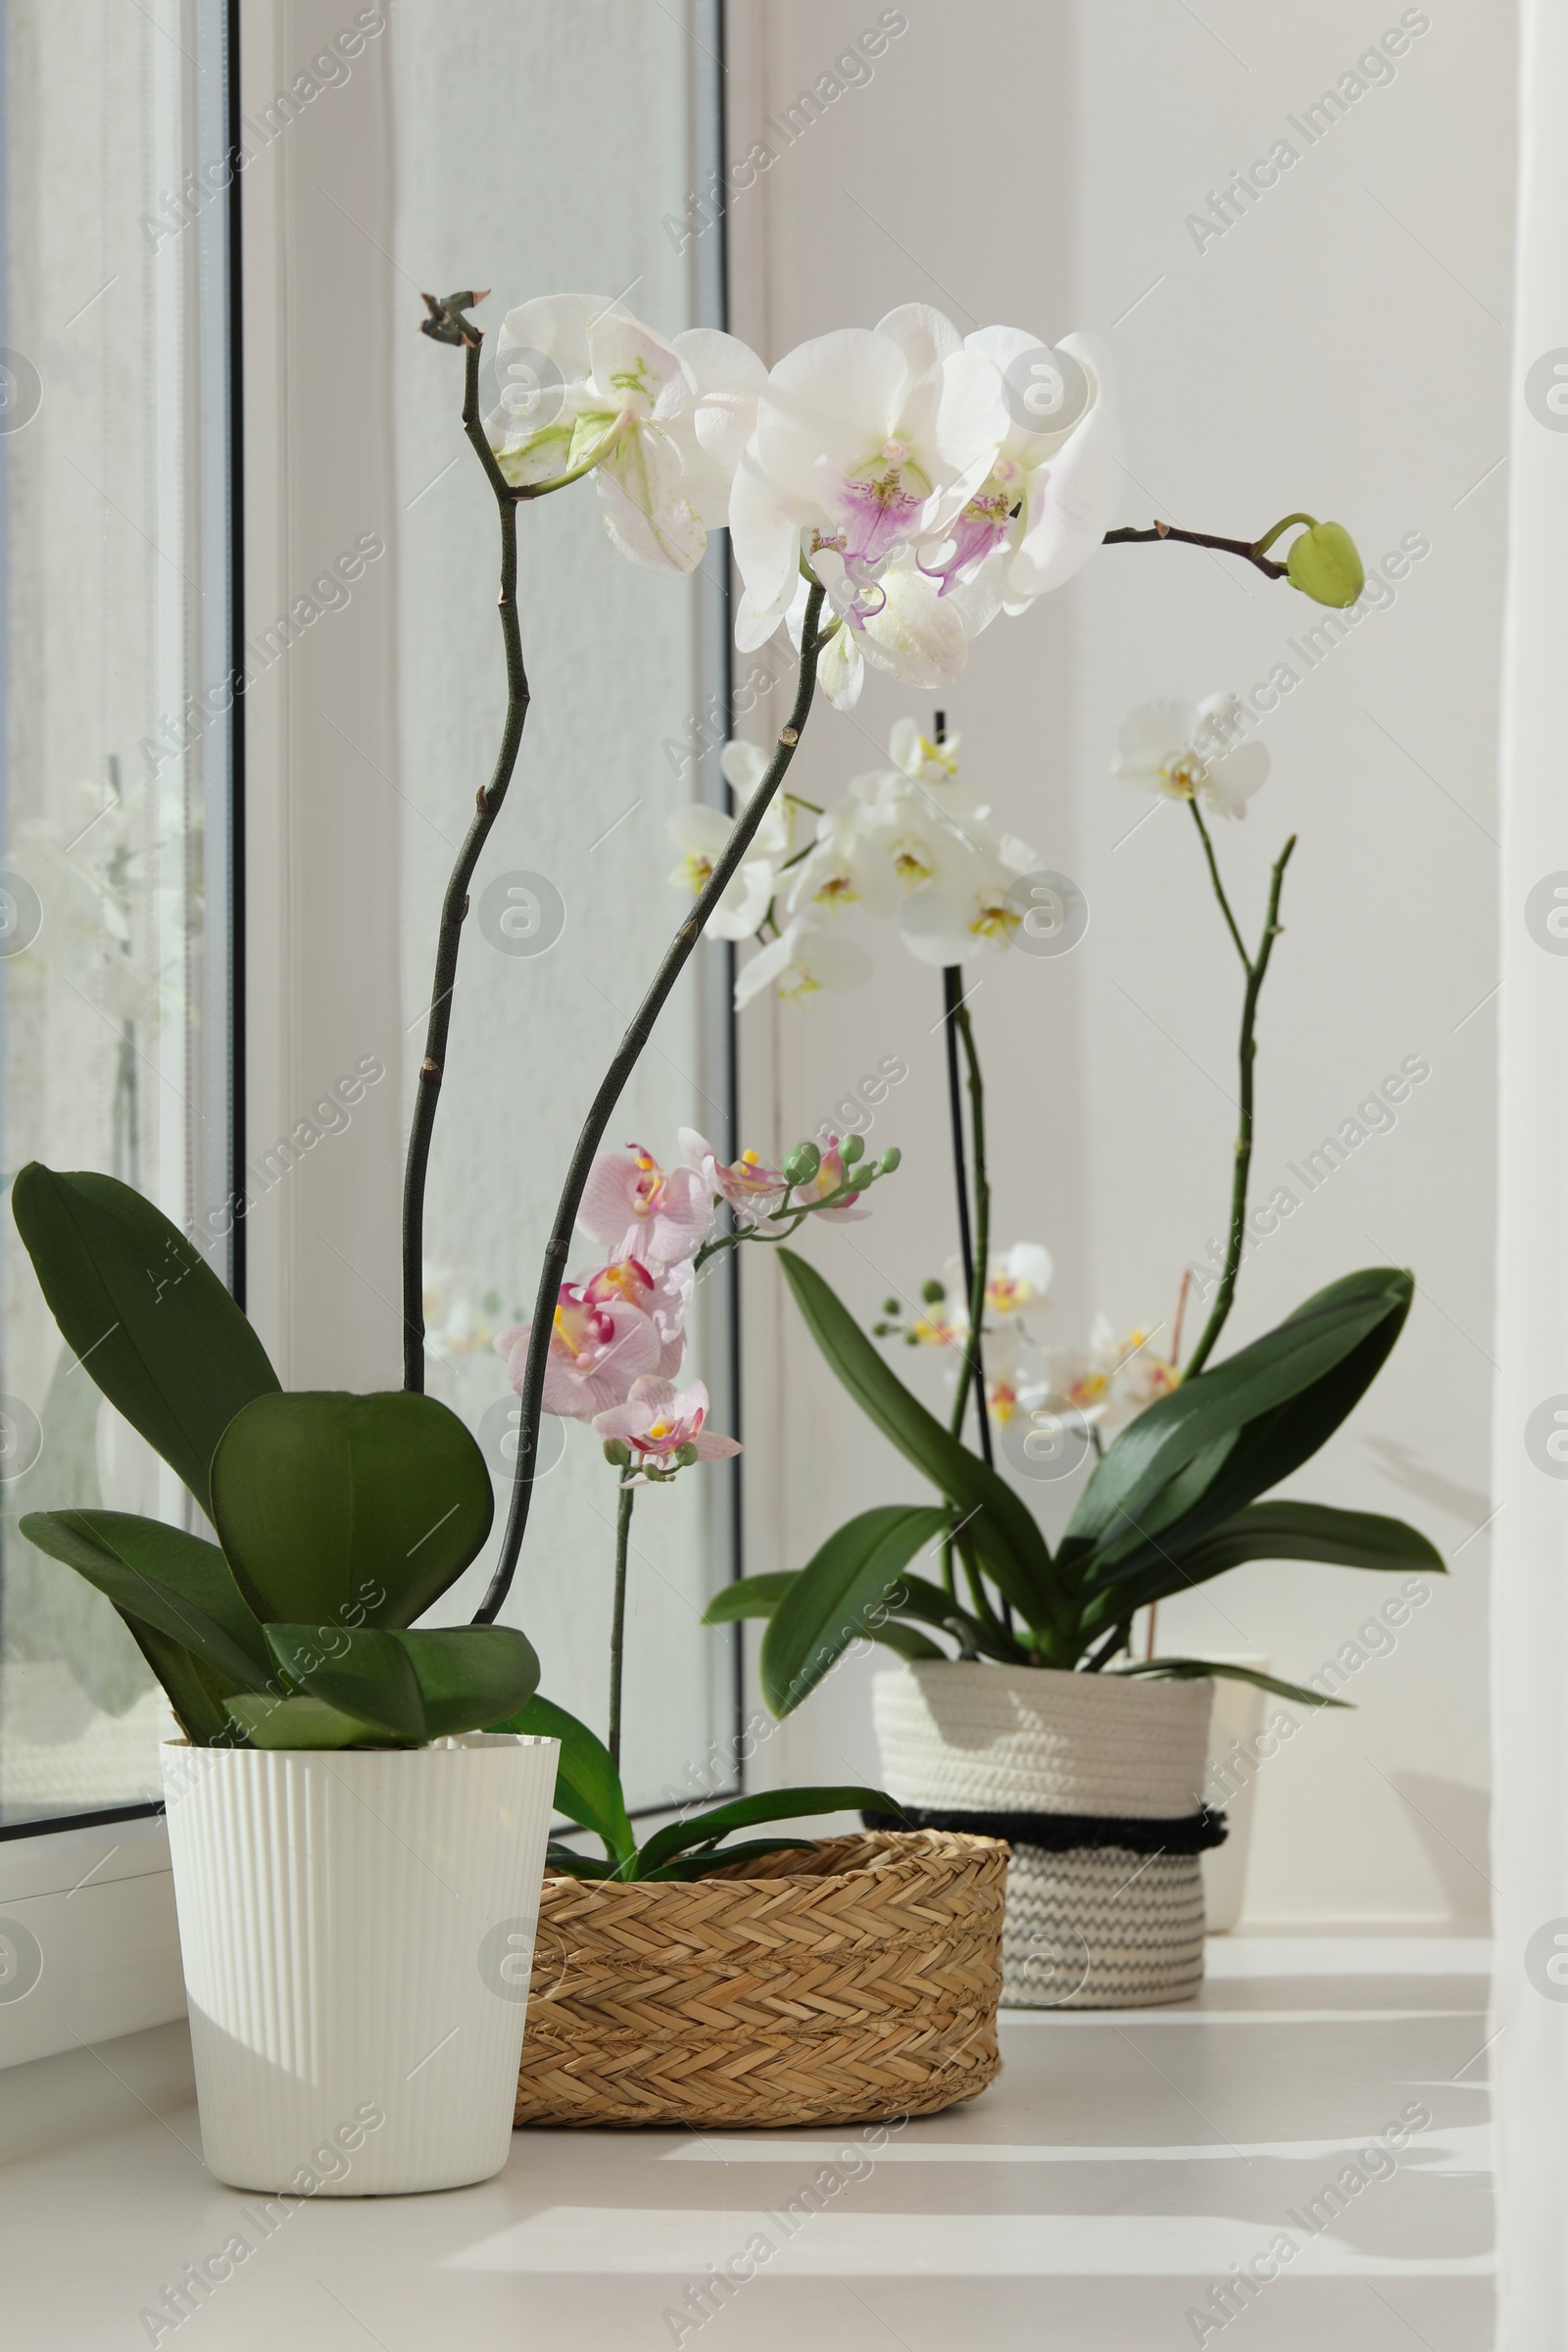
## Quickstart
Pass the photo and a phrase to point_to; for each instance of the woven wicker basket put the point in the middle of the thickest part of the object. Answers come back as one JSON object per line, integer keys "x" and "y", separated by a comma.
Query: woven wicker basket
{"x": 851, "y": 1983}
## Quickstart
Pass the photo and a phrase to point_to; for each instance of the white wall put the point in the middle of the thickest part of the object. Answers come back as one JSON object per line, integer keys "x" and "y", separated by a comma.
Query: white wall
{"x": 1343, "y": 348}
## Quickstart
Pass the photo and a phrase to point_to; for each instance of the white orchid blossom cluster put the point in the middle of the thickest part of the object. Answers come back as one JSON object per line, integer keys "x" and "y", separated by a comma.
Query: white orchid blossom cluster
{"x": 909, "y": 843}
{"x": 929, "y": 480}
{"x": 618, "y": 1336}
{"x": 1099, "y": 1387}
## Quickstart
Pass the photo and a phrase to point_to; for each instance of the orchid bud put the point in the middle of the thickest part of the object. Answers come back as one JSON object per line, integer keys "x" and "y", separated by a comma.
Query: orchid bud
{"x": 853, "y": 1149}
{"x": 891, "y": 1307}
{"x": 889, "y": 1160}
{"x": 1325, "y": 566}
{"x": 932, "y": 1293}
{"x": 685, "y": 1456}
{"x": 618, "y": 1454}
{"x": 802, "y": 1164}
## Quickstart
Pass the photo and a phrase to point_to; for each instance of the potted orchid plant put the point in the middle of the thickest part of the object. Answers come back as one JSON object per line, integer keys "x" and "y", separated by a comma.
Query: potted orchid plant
{"x": 1039, "y": 1724}
{"x": 888, "y": 492}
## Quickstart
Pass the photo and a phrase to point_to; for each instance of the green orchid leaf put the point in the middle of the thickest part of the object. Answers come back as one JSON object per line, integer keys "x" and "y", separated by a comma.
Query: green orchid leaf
{"x": 1269, "y": 1531}
{"x": 1005, "y": 1536}
{"x": 741, "y": 1812}
{"x": 144, "y": 1314}
{"x": 469, "y": 1674}
{"x": 894, "y": 1634}
{"x": 1223, "y": 1479}
{"x": 587, "y": 1785}
{"x": 172, "y": 1581}
{"x": 567, "y": 1863}
{"x": 364, "y": 1673}
{"x": 348, "y": 1510}
{"x": 1206, "y": 1415}
{"x": 279, "y": 1723}
{"x": 836, "y": 1594}
{"x": 1191, "y": 1670}
{"x": 750, "y": 1596}
{"x": 702, "y": 1865}
{"x": 191, "y": 1690}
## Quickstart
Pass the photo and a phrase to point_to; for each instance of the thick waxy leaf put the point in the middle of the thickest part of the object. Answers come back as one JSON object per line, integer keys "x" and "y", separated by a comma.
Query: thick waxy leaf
{"x": 1228, "y": 1475}
{"x": 702, "y": 1865}
{"x": 750, "y": 1596}
{"x": 837, "y": 1593}
{"x": 1193, "y": 1670}
{"x": 769, "y": 1804}
{"x": 348, "y": 1510}
{"x": 587, "y": 1785}
{"x": 187, "y": 1685}
{"x": 893, "y": 1633}
{"x": 1308, "y": 1348}
{"x": 909, "y": 1596}
{"x": 469, "y": 1674}
{"x": 276, "y": 1723}
{"x": 1272, "y": 1531}
{"x": 567, "y": 1863}
{"x": 366, "y": 1674}
{"x": 1005, "y": 1536}
{"x": 144, "y": 1313}
{"x": 168, "y": 1580}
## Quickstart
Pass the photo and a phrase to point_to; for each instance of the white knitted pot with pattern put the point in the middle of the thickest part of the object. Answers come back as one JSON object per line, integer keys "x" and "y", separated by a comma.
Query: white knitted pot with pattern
{"x": 1098, "y": 1926}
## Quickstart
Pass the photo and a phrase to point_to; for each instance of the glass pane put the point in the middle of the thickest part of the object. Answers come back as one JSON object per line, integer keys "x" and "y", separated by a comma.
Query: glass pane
{"x": 619, "y": 661}
{"x": 114, "y": 771}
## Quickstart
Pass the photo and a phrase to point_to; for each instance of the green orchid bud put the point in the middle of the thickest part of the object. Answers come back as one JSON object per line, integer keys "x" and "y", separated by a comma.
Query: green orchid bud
{"x": 802, "y": 1164}
{"x": 1325, "y": 566}
{"x": 932, "y": 1293}
{"x": 852, "y": 1150}
{"x": 618, "y": 1454}
{"x": 889, "y": 1160}
{"x": 685, "y": 1456}
{"x": 891, "y": 1307}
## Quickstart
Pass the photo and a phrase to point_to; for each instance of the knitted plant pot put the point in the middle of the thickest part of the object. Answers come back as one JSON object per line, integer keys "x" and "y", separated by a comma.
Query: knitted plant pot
{"x": 1096, "y": 1781}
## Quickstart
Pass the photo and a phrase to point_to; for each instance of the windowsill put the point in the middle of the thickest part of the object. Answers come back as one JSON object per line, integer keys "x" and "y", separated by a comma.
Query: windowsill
{"x": 1129, "y": 2158}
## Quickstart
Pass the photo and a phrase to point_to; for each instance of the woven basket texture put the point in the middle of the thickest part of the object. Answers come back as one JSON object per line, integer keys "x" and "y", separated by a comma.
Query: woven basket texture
{"x": 845, "y": 1985}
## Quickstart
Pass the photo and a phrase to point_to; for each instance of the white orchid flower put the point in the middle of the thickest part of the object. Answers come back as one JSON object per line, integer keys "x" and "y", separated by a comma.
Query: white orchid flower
{"x": 801, "y": 960}
{"x": 1018, "y": 1280}
{"x": 579, "y": 374}
{"x": 1186, "y": 749}
{"x": 935, "y": 764}
{"x": 912, "y": 635}
{"x": 849, "y": 866}
{"x": 972, "y": 906}
{"x": 1052, "y": 490}
{"x": 868, "y": 441}
{"x": 701, "y": 832}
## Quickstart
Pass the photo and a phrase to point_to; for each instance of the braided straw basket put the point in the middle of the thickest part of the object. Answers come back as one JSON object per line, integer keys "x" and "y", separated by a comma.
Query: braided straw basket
{"x": 851, "y": 1983}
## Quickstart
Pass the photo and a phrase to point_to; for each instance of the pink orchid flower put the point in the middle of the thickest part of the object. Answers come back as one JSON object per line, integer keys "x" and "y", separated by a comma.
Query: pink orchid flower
{"x": 656, "y": 1422}
{"x": 631, "y": 1205}
{"x": 663, "y": 1297}
{"x": 753, "y": 1190}
{"x": 609, "y": 1329}
{"x": 831, "y": 1174}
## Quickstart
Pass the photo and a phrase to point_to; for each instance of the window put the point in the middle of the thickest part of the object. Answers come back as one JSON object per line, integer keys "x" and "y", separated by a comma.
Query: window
{"x": 117, "y": 779}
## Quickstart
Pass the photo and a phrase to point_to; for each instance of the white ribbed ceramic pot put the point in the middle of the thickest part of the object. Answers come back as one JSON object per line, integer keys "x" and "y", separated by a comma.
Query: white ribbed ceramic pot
{"x": 1096, "y": 1926}
{"x": 357, "y": 1929}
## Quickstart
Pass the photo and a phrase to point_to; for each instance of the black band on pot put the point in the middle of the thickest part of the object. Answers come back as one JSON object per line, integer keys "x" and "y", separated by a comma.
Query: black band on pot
{"x": 1058, "y": 1833}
